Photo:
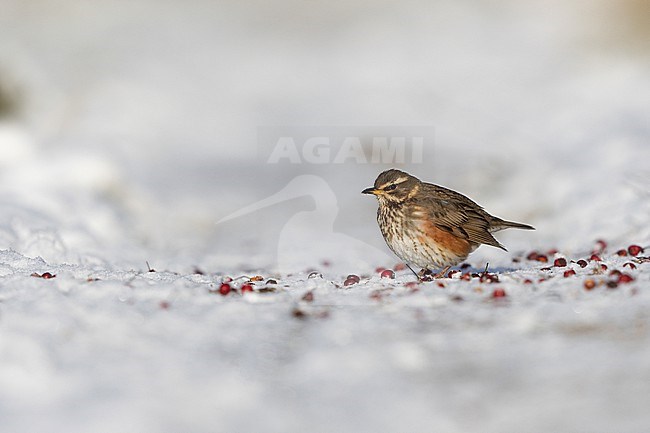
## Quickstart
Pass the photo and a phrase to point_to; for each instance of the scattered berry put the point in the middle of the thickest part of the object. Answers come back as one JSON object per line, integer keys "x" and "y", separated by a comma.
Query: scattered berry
{"x": 528, "y": 281}
{"x": 486, "y": 277}
{"x": 634, "y": 250}
{"x": 582, "y": 263}
{"x": 625, "y": 278}
{"x": 353, "y": 277}
{"x": 246, "y": 288}
{"x": 594, "y": 258}
{"x": 350, "y": 281}
{"x": 601, "y": 245}
{"x": 552, "y": 252}
{"x": 399, "y": 267}
{"x": 164, "y": 305}
{"x": 298, "y": 313}
{"x": 466, "y": 277}
{"x": 589, "y": 284}
{"x": 559, "y": 262}
{"x": 308, "y": 297}
{"x": 569, "y": 273}
{"x": 621, "y": 253}
{"x": 224, "y": 289}
{"x": 612, "y": 284}
{"x": 603, "y": 267}
{"x": 387, "y": 273}
{"x": 629, "y": 265}
{"x": 498, "y": 293}
{"x": 532, "y": 256}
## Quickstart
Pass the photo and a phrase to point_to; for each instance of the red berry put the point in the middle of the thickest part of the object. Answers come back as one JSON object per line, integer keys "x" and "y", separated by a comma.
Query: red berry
{"x": 532, "y": 256}
{"x": 634, "y": 250}
{"x": 246, "y": 288}
{"x": 349, "y": 282}
{"x": 308, "y": 297}
{"x": 498, "y": 293}
{"x": 528, "y": 281}
{"x": 603, "y": 267}
{"x": 621, "y": 253}
{"x": 380, "y": 269}
{"x": 354, "y": 278}
{"x": 625, "y": 278}
{"x": 552, "y": 252}
{"x": 569, "y": 273}
{"x": 399, "y": 267}
{"x": 629, "y": 265}
{"x": 601, "y": 245}
{"x": 466, "y": 277}
{"x": 582, "y": 263}
{"x": 224, "y": 289}
{"x": 164, "y": 305}
{"x": 594, "y": 257}
{"x": 47, "y": 275}
{"x": 542, "y": 258}
{"x": 387, "y": 273}
{"x": 560, "y": 262}
{"x": 589, "y": 284}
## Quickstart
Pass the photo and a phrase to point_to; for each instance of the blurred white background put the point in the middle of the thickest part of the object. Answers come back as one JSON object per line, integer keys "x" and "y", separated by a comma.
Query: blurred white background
{"x": 129, "y": 129}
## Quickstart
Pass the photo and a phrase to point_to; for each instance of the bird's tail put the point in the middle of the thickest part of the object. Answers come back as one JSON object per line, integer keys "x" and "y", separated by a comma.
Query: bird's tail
{"x": 497, "y": 224}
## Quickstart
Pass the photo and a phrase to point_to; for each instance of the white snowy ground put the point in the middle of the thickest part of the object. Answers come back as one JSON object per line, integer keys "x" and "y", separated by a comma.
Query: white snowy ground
{"x": 137, "y": 131}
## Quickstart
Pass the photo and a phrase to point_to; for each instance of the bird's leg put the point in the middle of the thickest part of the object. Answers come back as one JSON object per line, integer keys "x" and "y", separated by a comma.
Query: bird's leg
{"x": 414, "y": 273}
{"x": 442, "y": 273}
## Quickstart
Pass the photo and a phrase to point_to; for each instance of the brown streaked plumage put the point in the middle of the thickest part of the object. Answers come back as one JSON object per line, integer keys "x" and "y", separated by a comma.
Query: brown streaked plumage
{"x": 431, "y": 226}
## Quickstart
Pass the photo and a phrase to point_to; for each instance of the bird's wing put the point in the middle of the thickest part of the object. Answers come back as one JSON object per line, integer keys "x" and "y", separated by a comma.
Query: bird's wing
{"x": 456, "y": 214}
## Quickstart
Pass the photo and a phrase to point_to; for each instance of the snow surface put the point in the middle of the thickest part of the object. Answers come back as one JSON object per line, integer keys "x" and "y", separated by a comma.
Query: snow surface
{"x": 135, "y": 138}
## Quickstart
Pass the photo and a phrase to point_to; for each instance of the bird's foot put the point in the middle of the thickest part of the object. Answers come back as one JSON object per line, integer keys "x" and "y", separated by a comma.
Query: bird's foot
{"x": 428, "y": 275}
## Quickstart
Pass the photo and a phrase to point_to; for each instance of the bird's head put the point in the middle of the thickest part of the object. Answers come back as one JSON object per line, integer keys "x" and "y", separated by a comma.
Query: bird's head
{"x": 394, "y": 187}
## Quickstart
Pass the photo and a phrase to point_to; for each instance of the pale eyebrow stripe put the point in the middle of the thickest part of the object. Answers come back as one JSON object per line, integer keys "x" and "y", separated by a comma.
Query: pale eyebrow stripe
{"x": 394, "y": 182}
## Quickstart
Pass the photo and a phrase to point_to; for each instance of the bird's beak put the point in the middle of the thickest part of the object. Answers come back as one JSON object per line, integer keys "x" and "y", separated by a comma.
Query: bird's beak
{"x": 372, "y": 191}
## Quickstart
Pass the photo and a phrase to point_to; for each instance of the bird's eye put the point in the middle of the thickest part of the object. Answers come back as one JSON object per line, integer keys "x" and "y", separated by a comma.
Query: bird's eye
{"x": 390, "y": 187}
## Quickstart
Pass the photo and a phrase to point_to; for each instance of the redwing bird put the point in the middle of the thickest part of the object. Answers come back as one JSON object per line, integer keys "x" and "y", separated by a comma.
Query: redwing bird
{"x": 430, "y": 226}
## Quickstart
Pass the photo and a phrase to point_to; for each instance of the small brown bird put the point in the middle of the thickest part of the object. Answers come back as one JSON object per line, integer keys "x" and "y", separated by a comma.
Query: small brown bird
{"x": 431, "y": 226}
